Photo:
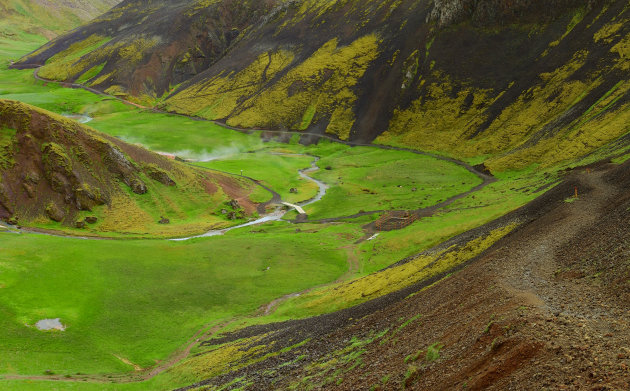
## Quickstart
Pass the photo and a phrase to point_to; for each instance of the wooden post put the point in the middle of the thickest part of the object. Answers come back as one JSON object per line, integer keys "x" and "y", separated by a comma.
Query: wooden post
{"x": 576, "y": 192}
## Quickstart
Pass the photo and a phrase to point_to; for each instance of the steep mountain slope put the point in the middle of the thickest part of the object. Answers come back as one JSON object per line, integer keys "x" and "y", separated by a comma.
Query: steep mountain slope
{"x": 147, "y": 49}
{"x": 56, "y": 174}
{"x": 48, "y": 17}
{"x": 514, "y": 82}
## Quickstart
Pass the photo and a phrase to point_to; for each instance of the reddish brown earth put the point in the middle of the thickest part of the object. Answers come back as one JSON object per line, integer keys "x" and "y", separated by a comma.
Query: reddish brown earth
{"x": 545, "y": 308}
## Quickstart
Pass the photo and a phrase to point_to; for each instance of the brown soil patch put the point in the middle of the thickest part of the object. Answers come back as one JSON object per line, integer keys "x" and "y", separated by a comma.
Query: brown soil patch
{"x": 236, "y": 191}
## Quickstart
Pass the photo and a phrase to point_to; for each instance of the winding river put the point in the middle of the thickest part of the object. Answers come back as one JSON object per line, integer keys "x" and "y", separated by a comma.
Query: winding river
{"x": 279, "y": 213}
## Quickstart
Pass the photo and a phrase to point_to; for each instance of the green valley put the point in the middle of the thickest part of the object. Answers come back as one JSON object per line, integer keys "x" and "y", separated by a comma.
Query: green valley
{"x": 296, "y": 195}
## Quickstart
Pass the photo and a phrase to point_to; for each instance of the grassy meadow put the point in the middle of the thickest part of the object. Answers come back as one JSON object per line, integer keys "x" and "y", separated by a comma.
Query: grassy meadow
{"x": 141, "y": 300}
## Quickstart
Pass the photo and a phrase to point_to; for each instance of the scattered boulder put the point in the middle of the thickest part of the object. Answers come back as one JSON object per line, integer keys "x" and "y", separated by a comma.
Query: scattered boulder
{"x": 137, "y": 186}
{"x": 87, "y": 197}
{"x": 224, "y": 211}
{"x": 79, "y": 224}
{"x": 414, "y": 189}
{"x": 234, "y": 204}
{"x": 157, "y": 174}
{"x": 118, "y": 164}
{"x": 164, "y": 220}
{"x": 91, "y": 219}
{"x": 32, "y": 178}
{"x": 293, "y": 190}
{"x": 328, "y": 168}
{"x": 53, "y": 212}
{"x": 13, "y": 220}
{"x": 56, "y": 160}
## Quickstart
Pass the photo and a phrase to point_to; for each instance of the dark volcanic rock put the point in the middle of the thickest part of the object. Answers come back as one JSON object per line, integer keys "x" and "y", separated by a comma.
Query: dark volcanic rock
{"x": 157, "y": 174}
{"x": 54, "y": 212}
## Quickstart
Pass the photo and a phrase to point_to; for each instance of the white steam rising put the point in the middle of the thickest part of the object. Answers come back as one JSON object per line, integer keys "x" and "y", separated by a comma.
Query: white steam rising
{"x": 203, "y": 155}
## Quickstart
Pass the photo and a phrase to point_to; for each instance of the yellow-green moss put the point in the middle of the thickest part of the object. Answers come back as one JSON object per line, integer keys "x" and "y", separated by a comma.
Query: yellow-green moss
{"x": 133, "y": 51}
{"x": 441, "y": 121}
{"x": 74, "y": 59}
{"x": 220, "y": 95}
{"x": 91, "y": 73}
{"x": 323, "y": 81}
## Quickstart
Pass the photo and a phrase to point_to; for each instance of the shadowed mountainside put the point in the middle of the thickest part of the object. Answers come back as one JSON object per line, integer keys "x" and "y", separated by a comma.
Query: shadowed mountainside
{"x": 514, "y": 82}
{"x": 55, "y": 172}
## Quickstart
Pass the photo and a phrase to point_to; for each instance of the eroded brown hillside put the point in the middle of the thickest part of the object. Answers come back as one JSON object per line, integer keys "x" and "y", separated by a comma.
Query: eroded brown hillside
{"x": 54, "y": 170}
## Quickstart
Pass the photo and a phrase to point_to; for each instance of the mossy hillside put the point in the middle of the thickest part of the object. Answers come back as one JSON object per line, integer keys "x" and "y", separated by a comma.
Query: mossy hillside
{"x": 220, "y": 96}
{"x": 7, "y": 142}
{"x": 220, "y": 360}
{"x": 127, "y": 188}
{"x": 550, "y": 121}
{"x": 64, "y": 64}
{"x": 320, "y": 87}
{"x": 330, "y": 369}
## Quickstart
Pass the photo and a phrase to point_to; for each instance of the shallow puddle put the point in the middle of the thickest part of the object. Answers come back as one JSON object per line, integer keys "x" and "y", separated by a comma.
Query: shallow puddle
{"x": 50, "y": 324}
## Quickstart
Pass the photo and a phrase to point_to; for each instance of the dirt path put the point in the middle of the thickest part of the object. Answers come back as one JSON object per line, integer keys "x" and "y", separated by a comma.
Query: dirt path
{"x": 534, "y": 271}
{"x": 353, "y": 264}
